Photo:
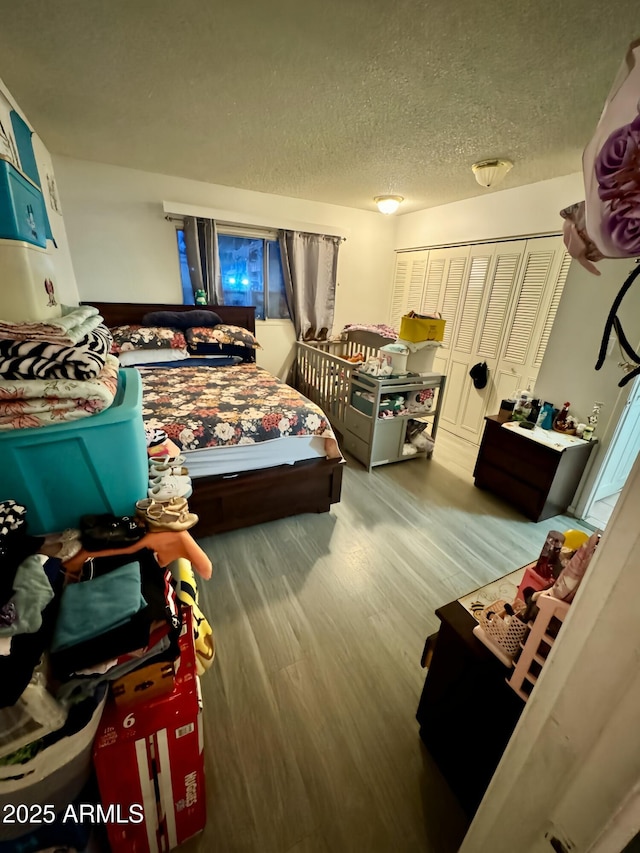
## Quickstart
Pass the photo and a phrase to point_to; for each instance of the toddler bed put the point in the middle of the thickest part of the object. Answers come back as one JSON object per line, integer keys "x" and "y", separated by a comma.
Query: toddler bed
{"x": 255, "y": 448}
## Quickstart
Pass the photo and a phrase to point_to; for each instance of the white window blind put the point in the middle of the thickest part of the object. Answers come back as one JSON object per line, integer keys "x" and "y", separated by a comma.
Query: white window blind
{"x": 498, "y": 305}
{"x": 472, "y": 302}
{"x": 537, "y": 267}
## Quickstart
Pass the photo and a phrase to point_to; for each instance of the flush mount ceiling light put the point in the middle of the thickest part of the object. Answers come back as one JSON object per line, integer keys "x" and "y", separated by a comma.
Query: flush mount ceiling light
{"x": 490, "y": 172}
{"x": 388, "y": 203}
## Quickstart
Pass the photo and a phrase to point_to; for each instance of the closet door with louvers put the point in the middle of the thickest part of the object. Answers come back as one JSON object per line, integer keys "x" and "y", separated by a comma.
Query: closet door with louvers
{"x": 443, "y": 288}
{"x": 408, "y": 284}
{"x": 462, "y": 408}
{"x": 545, "y": 266}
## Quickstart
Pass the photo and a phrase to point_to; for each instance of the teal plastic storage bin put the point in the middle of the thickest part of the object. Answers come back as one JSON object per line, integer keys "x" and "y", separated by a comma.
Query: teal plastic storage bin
{"x": 23, "y": 215}
{"x": 93, "y": 465}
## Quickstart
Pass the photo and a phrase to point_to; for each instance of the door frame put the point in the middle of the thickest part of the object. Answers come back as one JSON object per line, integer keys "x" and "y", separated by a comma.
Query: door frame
{"x": 618, "y": 418}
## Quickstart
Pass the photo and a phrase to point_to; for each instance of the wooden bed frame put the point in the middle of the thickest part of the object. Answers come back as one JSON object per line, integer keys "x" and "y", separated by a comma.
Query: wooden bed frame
{"x": 229, "y": 502}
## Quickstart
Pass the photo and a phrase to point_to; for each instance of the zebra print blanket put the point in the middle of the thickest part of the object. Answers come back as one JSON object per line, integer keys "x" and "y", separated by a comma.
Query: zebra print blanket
{"x": 42, "y": 360}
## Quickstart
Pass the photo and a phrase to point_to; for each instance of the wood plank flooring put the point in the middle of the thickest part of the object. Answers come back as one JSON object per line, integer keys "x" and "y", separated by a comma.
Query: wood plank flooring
{"x": 309, "y": 710}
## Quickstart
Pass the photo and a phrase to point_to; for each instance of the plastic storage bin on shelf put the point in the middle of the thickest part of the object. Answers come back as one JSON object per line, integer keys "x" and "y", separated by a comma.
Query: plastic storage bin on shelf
{"x": 398, "y": 354}
{"x": 93, "y": 465}
{"x": 27, "y": 290}
{"x": 421, "y": 356}
{"x": 22, "y": 210}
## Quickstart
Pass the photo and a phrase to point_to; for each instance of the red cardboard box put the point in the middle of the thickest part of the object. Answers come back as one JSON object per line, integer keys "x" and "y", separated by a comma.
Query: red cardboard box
{"x": 149, "y": 761}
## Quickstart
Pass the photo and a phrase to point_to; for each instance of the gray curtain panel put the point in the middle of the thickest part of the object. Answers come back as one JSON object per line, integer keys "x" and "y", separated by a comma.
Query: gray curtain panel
{"x": 213, "y": 279}
{"x": 309, "y": 265}
{"x": 201, "y": 241}
{"x": 194, "y": 259}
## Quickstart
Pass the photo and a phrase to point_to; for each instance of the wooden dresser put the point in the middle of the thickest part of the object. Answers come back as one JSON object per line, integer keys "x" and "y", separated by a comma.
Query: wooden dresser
{"x": 538, "y": 479}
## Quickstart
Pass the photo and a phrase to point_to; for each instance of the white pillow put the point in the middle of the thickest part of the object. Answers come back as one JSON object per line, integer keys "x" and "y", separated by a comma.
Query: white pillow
{"x": 151, "y": 356}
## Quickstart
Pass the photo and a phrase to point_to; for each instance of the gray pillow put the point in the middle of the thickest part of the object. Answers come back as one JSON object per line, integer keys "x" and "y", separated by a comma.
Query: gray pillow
{"x": 182, "y": 319}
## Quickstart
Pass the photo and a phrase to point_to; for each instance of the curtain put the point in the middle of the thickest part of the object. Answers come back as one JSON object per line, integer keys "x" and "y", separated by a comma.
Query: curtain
{"x": 213, "y": 279}
{"x": 309, "y": 266}
{"x": 201, "y": 242}
{"x": 194, "y": 259}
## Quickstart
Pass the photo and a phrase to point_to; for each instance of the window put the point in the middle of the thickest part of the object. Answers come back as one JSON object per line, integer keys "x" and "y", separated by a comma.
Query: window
{"x": 250, "y": 268}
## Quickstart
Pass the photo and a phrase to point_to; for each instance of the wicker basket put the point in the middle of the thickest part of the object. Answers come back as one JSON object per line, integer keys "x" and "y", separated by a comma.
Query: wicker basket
{"x": 506, "y": 635}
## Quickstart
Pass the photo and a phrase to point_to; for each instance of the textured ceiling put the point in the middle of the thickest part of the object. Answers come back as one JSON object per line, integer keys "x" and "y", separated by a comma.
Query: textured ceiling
{"x": 332, "y": 100}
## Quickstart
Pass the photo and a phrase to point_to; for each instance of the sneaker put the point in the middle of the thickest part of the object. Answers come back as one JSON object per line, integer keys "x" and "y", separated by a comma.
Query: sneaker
{"x": 164, "y": 460}
{"x": 162, "y": 471}
{"x": 170, "y": 487}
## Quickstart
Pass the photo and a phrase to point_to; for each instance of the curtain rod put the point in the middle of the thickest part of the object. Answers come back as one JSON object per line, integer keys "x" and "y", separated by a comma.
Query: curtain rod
{"x": 170, "y": 218}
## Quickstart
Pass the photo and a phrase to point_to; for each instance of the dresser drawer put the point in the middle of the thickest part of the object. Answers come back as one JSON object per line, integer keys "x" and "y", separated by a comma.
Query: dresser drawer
{"x": 356, "y": 447}
{"x": 520, "y": 494}
{"x": 358, "y": 423}
{"x": 523, "y": 460}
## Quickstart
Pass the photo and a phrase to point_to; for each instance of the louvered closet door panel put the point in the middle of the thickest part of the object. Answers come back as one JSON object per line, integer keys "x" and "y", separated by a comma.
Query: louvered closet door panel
{"x": 464, "y": 334}
{"x": 447, "y": 302}
{"x": 433, "y": 281}
{"x": 467, "y": 326}
{"x": 539, "y": 286}
{"x": 408, "y": 284}
{"x": 500, "y": 295}
{"x": 537, "y": 266}
{"x": 552, "y": 309}
{"x": 417, "y": 274}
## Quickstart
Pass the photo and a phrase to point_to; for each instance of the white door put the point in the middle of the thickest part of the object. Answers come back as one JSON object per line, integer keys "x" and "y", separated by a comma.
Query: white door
{"x": 444, "y": 284}
{"x": 543, "y": 274}
{"x": 623, "y": 449}
{"x": 460, "y": 410}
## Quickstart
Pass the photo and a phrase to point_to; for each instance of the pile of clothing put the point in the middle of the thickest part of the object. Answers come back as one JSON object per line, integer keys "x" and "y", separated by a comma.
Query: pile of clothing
{"x": 56, "y": 371}
{"x": 81, "y": 610}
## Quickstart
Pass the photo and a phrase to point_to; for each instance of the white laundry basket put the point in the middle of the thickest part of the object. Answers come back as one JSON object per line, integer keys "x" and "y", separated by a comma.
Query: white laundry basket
{"x": 421, "y": 355}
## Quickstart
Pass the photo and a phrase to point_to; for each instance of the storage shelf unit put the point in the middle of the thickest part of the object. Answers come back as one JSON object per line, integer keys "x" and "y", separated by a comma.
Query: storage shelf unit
{"x": 551, "y": 615}
{"x": 378, "y": 441}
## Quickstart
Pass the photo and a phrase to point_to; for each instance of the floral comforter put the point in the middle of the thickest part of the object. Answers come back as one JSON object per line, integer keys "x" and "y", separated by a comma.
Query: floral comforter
{"x": 213, "y": 407}
{"x": 42, "y": 402}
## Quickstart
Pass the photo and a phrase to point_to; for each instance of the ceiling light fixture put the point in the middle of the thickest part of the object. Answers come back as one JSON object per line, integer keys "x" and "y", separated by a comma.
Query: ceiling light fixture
{"x": 490, "y": 172}
{"x": 388, "y": 203}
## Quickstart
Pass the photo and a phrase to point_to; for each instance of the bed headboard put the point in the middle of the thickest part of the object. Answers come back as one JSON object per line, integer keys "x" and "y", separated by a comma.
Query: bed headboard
{"x": 131, "y": 313}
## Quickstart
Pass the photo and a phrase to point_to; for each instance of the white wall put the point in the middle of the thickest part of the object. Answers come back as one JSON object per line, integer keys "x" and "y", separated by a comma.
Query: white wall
{"x": 567, "y": 371}
{"x": 125, "y": 251}
{"x": 531, "y": 209}
{"x": 66, "y": 288}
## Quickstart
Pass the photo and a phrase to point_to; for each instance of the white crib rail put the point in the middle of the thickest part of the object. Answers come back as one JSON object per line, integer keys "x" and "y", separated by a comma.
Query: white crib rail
{"x": 324, "y": 379}
{"x": 322, "y": 372}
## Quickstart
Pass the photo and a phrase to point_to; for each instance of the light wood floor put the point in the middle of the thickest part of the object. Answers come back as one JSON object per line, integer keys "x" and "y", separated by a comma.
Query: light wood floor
{"x": 311, "y": 740}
